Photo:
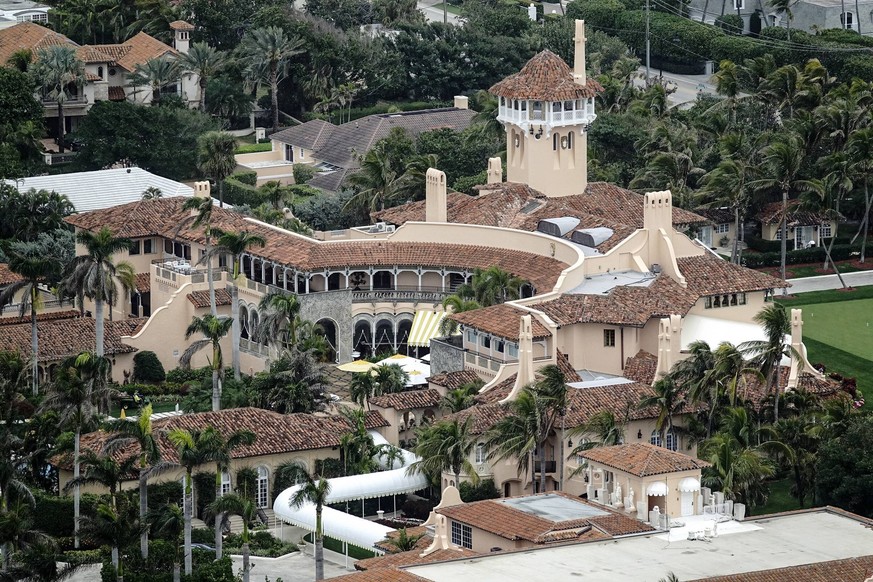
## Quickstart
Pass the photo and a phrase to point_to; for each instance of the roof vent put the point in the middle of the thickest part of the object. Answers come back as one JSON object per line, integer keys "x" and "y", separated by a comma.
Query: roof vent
{"x": 558, "y": 226}
{"x": 591, "y": 237}
{"x": 655, "y": 268}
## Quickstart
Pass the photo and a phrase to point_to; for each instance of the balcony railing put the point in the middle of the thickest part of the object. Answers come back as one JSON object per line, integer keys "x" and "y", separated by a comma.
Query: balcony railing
{"x": 251, "y": 347}
{"x": 400, "y": 293}
{"x": 169, "y": 269}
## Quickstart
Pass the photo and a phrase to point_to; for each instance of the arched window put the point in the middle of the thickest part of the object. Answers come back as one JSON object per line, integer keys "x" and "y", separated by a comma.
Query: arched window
{"x": 672, "y": 441}
{"x": 655, "y": 438}
{"x": 225, "y": 483}
{"x": 480, "y": 453}
{"x": 262, "y": 498}
{"x": 244, "y": 322}
{"x": 100, "y": 72}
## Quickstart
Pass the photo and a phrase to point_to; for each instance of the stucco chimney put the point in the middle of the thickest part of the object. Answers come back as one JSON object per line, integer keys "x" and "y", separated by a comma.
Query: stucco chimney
{"x": 579, "y": 56}
{"x": 525, "y": 373}
{"x": 495, "y": 170}
{"x": 202, "y": 189}
{"x": 462, "y": 102}
{"x": 669, "y": 344}
{"x": 435, "y": 196}
{"x": 658, "y": 211}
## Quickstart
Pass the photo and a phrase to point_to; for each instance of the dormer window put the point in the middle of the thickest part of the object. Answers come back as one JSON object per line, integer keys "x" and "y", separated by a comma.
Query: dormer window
{"x": 100, "y": 72}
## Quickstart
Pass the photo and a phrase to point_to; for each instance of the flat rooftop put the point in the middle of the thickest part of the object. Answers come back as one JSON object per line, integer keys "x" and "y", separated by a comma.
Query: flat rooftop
{"x": 606, "y": 282}
{"x": 773, "y": 542}
{"x": 553, "y": 507}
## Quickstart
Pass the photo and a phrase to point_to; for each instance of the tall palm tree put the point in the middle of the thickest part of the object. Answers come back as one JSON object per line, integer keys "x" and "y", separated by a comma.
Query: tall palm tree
{"x": 784, "y": 6}
{"x": 727, "y": 83}
{"x": 115, "y": 527}
{"x": 767, "y": 354}
{"x": 268, "y": 52}
{"x": 361, "y": 388}
{"x": 315, "y": 491}
{"x": 35, "y": 268}
{"x": 169, "y": 522}
{"x": 603, "y": 429}
{"x": 106, "y": 471}
{"x": 389, "y": 379}
{"x": 782, "y": 162}
{"x": 58, "y": 72}
{"x": 215, "y": 158}
{"x": 281, "y": 318}
{"x": 234, "y": 504}
{"x": 191, "y": 446}
{"x": 206, "y": 62}
{"x": 220, "y": 450}
{"x": 214, "y": 329}
{"x": 79, "y": 387}
{"x": 295, "y": 382}
{"x": 455, "y": 304}
{"x": 461, "y": 398}
{"x": 201, "y": 212}
{"x": 860, "y": 150}
{"x": 728, "y": 183}
{"x": 235, "y": 244}
{"x": 668, "y": 398}
{"x": 378, "y": 180}
{"x": 445, "y": 445}
{"x": 94, "y": 275}
{"x": 125, "y": 433}
{"x": 157, "y": 73}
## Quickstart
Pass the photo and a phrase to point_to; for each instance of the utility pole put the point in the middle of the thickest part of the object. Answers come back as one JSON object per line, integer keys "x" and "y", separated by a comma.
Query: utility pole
{"x": 648, "y": 47}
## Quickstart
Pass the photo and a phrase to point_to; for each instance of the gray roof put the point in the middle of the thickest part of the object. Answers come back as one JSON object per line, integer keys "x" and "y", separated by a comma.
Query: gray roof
{"x": 103, "y": 188}
{"x": 329, "y": 181}
{"x": 341, "y": 145}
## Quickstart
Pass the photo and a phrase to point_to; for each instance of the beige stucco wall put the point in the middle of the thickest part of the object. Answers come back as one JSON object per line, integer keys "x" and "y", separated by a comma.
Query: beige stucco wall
{"x": 483, "y": 540}
{"x": 669, "y": 504}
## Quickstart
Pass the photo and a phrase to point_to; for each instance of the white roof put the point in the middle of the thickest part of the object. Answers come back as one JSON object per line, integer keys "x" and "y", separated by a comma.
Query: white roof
{"x": 418, "y": 371}
{"x": 103, "y": 188}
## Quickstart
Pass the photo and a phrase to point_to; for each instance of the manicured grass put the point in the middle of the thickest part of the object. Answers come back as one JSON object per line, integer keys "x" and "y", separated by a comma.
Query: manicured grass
{"x": 253, "y": 148}
{"x": 335, "y": 545}
{"x": 814, "y": 271}
{"x": 844, "y": 363}
{"x": 829, "y": 296}
{"x": 845, "y": 325}
{"x": 780, "y": 499}
{"x": 449, "y": 8}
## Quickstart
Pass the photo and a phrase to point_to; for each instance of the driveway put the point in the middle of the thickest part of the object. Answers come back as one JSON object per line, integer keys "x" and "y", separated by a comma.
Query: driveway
{"x": 825, "y": 282}
{"x": 436, "y": 14}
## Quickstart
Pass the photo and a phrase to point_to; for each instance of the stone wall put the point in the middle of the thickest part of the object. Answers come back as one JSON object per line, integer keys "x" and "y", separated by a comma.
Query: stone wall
{"x": 446, "y": 357}
{"x": 337, "y": 307}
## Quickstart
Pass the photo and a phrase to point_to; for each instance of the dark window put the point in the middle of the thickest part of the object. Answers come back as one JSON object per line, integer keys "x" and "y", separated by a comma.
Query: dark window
{"x": 609, "y": 338}
{"x": 168, "y": 246}
{"x": 134, "y": 247}
{"x": 187, "y": 251}
{"x": 148, "y": 246}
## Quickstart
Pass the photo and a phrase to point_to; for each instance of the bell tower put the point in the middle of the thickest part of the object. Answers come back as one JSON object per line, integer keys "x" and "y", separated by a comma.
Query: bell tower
{"x": 546, "y": 109}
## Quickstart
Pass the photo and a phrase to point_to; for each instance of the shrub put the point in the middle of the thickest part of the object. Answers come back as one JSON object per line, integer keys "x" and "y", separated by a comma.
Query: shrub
{"x": 253, "y": 148}
{"x": 203, "y": 535}
{"x": 303, "y": 173}
{"x": 596, "y": 14}
{"x": 181, "y": 375}
{"x": 484, "y": 490}
{"x": 246, "y": 482}
{"x": 161, "y": 494}
{"x": 302, "y": 191}
{"x": 418, "y": 508}
{"x": 54, "y": 515}
{"x": 247, "y": 177}
{"x": 204, "y": 487}
{"x": 239, "y": 193}
{"x": 148, "y": 368}
{"x": 465, "y": 184}
{"x": 800, "y": 257}
{"x": 730, "y": 23}
{"x": 83, "y": 556}
{"x": 756, "y": 243}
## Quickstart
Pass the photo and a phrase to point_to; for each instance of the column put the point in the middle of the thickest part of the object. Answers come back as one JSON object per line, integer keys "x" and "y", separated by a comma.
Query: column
{"x": 371, "y": 278}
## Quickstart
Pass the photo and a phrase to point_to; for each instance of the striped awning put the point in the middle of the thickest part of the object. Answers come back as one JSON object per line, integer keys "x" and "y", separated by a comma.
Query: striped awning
{"x": 425, "y": 326}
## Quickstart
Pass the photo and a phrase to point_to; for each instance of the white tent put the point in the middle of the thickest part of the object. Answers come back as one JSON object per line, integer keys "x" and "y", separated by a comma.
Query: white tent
{"x": 418, "y": 371}
{"x": 715, "y": 331}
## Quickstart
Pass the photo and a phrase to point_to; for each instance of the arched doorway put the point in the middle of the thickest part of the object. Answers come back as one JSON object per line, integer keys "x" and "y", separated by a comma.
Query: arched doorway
{"x": 383, "y": 280}
{"x": 403, "y": 329}
{"x": 331, "y": 335}
{"x": 384, "y": 339}
{"x": 363, "y": 338}
{"x": 334, "y": 281}
{"x": 244, "y": 322}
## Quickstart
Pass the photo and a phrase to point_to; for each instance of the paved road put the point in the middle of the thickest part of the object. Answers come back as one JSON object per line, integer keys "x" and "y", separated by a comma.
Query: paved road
{"x": 436, "y": 14}
{"x": 825, "y": 282}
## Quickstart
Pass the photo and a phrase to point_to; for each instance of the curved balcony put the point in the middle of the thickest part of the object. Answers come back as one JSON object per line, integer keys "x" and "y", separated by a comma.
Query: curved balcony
{"x": 546, "y": 113}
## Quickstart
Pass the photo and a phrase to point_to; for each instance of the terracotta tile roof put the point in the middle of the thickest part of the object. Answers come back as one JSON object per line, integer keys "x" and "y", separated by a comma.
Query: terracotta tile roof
{"x": 625, "y": 206}
{"x": 92, "y": 54}
{"x": 501, "y": 390}
{"x": 454, "y": 380}
{"x": 200, "y": 299}
{"x": 427, "y": 398}
{"x": 28, "y": 35}
{"x": 716, "y": 215}
{"x": 45, "y": 316}
{"x": 797, "y": 216}
{"x": 708, "y": 274}
{"x": 413, "y": 557}
{"x": 276, "y": 433}
{"x": 181, "y": 25}
{"x": 847, "y": 570}
{"x": 143, "y": 282}
{"x": 380, "y": 575}
{"x": 91, "y": 77}
{"x": 641, "y": 367}
{"x": 484, "y": 416}
{"x": 117, "y": 94}
{"x": 546, "y": 77}
{"x": 501, "y": 320}
{"x": 137, "y": 50}
{"x": 67, "y": 337}
{"x": 754, "y": 390}
{"x": 643, "y": 459}
{"x": 563, "y": 363}
{"x": 630, "y": 306}
{"x": 7, "y": 276}
{"x": 374, "y": 419}
{"x": 501, "y": 519}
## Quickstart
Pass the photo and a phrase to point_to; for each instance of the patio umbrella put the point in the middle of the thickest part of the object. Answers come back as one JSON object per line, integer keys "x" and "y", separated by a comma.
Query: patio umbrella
{"x": 356, "y": 366}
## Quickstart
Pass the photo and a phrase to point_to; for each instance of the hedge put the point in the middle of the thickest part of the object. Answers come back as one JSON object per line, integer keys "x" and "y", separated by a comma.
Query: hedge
{"x": 239, "y": 193}
{"x": 247, "y": 177}
{"x": 147, "y": 368}
{"x": 253, "y": 148}
{"x": 800, "y": 257}
{"x": 761, "y": 245}
{"x": 54, "y": 515}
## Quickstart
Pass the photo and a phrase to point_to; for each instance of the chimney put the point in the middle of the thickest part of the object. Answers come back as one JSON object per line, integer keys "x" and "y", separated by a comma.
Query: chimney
{"x": 435, "y": 196}
{"x": 462, "y": 102}
{"x": 181, "y": 35}
{"x": 202, "y": 189}
{"x": 579, "y": 57}
{"x": 658, "y": 212}
{"x": 525, "y": 373}
{"x": 495, "y": 171}
{"x": 669, "y": 344}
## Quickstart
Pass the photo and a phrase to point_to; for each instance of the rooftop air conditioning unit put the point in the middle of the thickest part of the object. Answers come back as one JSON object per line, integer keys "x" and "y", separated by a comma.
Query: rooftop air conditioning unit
{"x": 389, "y": 228}
{"x": 380, "y": 227}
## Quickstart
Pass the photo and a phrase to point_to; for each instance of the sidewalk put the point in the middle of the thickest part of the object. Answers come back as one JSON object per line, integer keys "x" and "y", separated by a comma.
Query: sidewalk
{"x": 826, "y": 282}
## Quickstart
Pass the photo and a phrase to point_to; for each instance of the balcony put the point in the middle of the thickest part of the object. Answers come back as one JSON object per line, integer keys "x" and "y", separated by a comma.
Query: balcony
{"x": 180, "y": 271}
{"x": 400, "y": 293}
{"x": 549, "y": 466}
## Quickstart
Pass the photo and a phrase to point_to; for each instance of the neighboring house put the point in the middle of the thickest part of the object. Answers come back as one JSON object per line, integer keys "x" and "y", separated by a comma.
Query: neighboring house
{"x": 638, "y": 477}
{"x": 280, "y": 438}
{"x": 721, "y": 232}
{"x": 107, "y": 67}
{"x": 335, "y": 150}
{"x": 806, "y": 15}
{"x": 805, "y": 228}
{"x": 15, "y": 11}
{"x": 104, "y": 188}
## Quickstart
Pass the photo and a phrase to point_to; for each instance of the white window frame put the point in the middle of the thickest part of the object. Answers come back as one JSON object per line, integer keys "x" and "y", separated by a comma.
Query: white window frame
{"x": 723, "y": 228}
{"x": 462, "y": 535}
{"x": 655, "y": 439}
{"x": 225, "y": 483}
{"x": 480, "y": 453}
{"x": 825, "y": 230}
{"x": 609, "y": 338}
{"x": 262, "y": 488}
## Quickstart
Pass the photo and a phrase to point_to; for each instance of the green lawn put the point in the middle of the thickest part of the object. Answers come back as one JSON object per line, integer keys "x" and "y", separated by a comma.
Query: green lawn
{"x": 449, "y": 8}
{"x": 780, "y": 499}
{"x": 337, "y": 546}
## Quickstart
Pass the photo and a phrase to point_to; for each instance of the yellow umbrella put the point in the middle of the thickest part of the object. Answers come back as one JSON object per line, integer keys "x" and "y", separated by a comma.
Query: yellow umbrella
{"x": 356, "y": 366}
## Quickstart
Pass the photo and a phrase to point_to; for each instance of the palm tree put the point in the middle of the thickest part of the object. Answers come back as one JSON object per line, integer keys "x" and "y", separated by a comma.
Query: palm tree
{"x": 277, "y": 194}
{"x": 220, "y": 449}
{"x": 784, "y": 6}
{"x": 268, "y": 52}
{"x": 358, "y": 450}
{"x": 767, "y": 354}
{"x": 782, "y": 162}
{"x": 115, "y": 527}
{"x": 377, "y": 181}
{"x": 389, "y": 379}
{"x": 800, "y": 440}
{"x": 455, "y": 304}
{"x": 235, "y": 244}
{"x": 214, "y": 329}
{"x": 157, "y": 73}
{"x": 404, "y": 541}
{"x": 728, "y": 183}
{"x": 56, "y": 71}
{"x": 491, "y": 286}
{"x": 281, "y": 318}
{"x": 29, "y": 261}
{"x": 106, "y": 471}
{"x": 295, "y": 382}
{"x": 361, "y": 388}
{"x": 445, "y": 445}
{"x": 93, "y": 274}
{"x": 234, "y": 504}
{"x": 727, "y": 83}
{"x": 124, "y": 433}
{"x": 204, "y": 61}
{"x": 169, "y": 522}
{"x": 669, "y": 399}
{"x": 316, "y": 492}
{"x": 603, "y": 429}
{"x": 215, "y": 158}
{"x": 201, "y": 211}
{"x": 461, "y": 398}
{"x": 191, "y": 448}
{"x": 860, "y": 150}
